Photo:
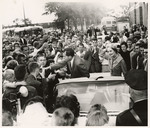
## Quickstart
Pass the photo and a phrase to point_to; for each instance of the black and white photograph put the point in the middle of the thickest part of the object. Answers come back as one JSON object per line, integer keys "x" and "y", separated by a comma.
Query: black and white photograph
{"x": 74, "y": 63}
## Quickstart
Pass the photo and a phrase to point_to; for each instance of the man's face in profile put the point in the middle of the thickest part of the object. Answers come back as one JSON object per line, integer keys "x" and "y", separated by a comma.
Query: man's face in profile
{"x": 69, "y": 58}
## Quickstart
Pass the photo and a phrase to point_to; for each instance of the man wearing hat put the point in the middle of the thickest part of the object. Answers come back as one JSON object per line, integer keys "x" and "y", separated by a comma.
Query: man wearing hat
{"x": 137, "y": 115}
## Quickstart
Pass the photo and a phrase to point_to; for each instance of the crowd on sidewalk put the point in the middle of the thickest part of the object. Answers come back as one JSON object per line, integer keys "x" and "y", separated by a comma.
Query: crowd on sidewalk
{"x": 38, "y": 62}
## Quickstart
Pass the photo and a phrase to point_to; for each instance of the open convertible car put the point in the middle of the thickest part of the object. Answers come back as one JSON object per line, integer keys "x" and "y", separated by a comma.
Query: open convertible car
{"x": 100, "y": 88}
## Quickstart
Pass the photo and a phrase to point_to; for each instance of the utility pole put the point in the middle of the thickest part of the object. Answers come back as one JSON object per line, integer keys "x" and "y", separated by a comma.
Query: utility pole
{"x": 24, "y": 16}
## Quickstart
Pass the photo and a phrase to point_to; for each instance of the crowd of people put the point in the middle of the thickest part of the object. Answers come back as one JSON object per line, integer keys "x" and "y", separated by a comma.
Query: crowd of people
{"x": 34, "y": 64}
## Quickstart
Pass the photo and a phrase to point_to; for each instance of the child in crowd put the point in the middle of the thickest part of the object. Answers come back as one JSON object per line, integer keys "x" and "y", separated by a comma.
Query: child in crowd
{"x": 9, "y": 80}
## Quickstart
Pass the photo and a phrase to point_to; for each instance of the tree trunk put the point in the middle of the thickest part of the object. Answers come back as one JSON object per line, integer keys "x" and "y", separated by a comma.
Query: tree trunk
{"x": 87, "y": 23}
{"x": 81, "y": 21}
{"x": 68, "y": 23}
{"x": 63, "y": 26}
{"x": 75, "y": 24}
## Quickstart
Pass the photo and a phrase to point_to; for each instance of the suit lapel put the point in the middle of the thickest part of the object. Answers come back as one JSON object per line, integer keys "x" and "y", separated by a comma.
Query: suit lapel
{"x": 69, "y": 66}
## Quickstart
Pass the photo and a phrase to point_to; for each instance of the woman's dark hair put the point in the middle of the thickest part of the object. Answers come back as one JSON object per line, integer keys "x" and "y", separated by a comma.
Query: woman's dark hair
{"x": 118, "y": 46}
{"x": 124, "y": 43}
{"x": 33, "y": 100}
{"x": 70, "y": 102}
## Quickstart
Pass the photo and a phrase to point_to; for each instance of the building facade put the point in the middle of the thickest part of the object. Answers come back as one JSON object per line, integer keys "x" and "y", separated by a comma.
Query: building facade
{"x": 138, "y": 13}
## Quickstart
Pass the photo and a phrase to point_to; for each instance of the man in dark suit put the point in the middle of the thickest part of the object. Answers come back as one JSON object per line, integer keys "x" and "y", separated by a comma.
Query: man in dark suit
{"x": 23, "y": 41}
{"x": 76, "y": 66}
{"x": 96, "y": 65}
{"x": 31, "y": 79}
{"x": 137, "y": 115}
{"x": 138, "y": 58}
{"x": 44, "y": 86}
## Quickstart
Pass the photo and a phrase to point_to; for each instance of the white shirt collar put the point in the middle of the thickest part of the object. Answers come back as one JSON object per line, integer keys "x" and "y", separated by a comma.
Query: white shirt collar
{"x": 72, "y": 61}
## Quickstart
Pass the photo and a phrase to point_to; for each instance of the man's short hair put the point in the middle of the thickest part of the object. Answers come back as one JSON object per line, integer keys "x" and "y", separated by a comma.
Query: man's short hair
{"x": 36, "y": 44}
{"x": 141, "y": 45}
{"x": 137, "y": 45}
{"x": 69, "y": 52}
{"x": 141, "y": 42}
{"x": 20, "y": 55}
{"x": 130, "y": 39}
{"x": 20, "y": 72}
{"x": 63, "y": 117}
{"x": 23, "y": 46}
{"x": 12, "y": 64}
{"x": 39, "y": 54}
{"x": 32, "y": 66}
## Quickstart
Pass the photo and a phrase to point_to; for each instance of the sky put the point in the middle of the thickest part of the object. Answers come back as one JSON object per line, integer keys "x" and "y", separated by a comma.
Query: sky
{"x": 12, "y": 9}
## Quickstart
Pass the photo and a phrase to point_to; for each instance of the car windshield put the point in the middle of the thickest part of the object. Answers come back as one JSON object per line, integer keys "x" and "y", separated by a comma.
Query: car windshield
{"x": 114, "y": 95}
